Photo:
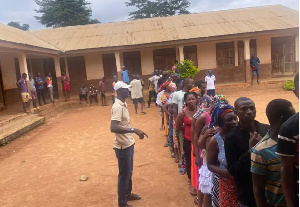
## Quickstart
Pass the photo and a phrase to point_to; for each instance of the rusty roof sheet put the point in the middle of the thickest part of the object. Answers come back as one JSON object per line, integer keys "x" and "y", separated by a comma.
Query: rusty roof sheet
{"x": 14, "y": 35}
{"x": 162, "y": 29}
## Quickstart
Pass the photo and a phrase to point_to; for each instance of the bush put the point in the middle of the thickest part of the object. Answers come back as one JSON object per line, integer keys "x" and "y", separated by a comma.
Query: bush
{"x": 186, "y": 69}
{"x": 289, "y": 85}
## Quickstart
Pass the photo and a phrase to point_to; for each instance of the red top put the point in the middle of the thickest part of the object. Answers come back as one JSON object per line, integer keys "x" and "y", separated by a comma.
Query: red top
{"x": 187, "y": 127}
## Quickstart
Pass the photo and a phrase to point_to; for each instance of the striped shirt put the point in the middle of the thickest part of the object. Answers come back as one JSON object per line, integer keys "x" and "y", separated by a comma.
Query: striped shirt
{"x": 288, "y": 145}
{"x": 264, "y": 161}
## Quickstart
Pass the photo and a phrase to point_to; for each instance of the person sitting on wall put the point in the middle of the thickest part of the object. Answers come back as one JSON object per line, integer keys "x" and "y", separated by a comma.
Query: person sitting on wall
{"x": 254, "y": 63}
{"x": 83, "y": 93}
{"x": 93, "y": 94}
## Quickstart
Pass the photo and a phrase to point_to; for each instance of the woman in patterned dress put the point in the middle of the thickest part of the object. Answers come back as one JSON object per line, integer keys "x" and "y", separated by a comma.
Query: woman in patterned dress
{"x": 223, "y": 116}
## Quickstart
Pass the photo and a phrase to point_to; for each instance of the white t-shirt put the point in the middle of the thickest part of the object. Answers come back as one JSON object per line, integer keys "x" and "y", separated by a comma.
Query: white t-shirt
{"x": 136, "y": 89}
{"x": 154, "y": 79}
{"x": 178, "y": 98}
{"x": 210, "y": 80}
{"x": 158, "y": 98}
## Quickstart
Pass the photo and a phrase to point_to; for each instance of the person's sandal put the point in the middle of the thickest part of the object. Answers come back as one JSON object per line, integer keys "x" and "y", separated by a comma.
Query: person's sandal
{"x": 134, "y": 197}
{"x": 196, "y": 200}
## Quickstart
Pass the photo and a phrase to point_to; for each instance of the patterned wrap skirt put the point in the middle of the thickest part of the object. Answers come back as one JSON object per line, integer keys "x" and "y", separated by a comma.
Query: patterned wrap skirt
{"x": 228, "y": 192}
{"x": 215, "y": 191}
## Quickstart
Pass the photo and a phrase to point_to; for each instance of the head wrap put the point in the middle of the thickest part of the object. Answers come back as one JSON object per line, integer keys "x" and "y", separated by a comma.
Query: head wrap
{"x": 165, "y": 85}
{"x": 220, "y": 99}
{"x": 172, "y": 86}
{"x": 218, "y": 112}
{"x": 195, "y": 89}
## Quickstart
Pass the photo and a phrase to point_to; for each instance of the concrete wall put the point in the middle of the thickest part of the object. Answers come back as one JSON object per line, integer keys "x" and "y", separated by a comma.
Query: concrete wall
{"x": 8, "y": 72}
{"x": 263, "y": 47}
{"x": 94, "y": 66}
{"x": 207, "y": 55}
{"x": 147, "y": 61}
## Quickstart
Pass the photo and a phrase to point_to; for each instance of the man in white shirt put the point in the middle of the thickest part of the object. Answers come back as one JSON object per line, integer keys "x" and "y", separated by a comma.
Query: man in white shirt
{"x": 137, "y": 94}
{"x": 154, "y": 79}
{"x": 210, "y": 80}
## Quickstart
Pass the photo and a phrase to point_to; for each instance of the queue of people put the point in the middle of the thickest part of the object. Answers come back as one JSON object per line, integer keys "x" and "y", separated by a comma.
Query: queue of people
{"x": 230, "y": 159}
{"x": 37, "y": 89}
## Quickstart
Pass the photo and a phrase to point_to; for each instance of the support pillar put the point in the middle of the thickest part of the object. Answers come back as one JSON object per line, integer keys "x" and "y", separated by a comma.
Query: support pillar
{"x": 119, "y": 65}
{"x": 66, "y": 67}
{"x": 58, "y": 77}
{"x": 177, "y": 53}
{"x": 23, "y": 68}
{"x": 247, "y": 59}
{"x": 181, "y": 54}
{"x": 236, "y": 53}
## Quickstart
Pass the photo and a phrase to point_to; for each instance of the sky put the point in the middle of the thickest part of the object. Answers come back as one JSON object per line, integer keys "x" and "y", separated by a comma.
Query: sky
{"x": 115, "y": 10}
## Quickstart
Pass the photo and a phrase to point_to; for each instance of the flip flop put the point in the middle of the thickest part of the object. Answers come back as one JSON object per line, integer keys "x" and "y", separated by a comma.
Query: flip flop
{"x": 143, "y": 112}
{"x": 182, "y": 171}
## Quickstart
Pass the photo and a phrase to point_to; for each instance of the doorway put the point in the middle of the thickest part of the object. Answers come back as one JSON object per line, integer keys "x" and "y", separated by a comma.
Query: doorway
{"x": 132, "y": 61}
{"x": 283, "y": 55}
{"x": 164, "y": 59}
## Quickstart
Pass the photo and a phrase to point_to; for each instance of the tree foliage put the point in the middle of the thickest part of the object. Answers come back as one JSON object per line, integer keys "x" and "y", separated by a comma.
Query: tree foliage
{"x": 61, "y": 13}
{"x": 24, "y": 27}
{"x": 186, "y": 69}
{"x": 157, "y": 8}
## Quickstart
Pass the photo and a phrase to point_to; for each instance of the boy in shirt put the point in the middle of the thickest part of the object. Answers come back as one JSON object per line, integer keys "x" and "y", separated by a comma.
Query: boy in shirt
{"x": 210, "y": 80}
{"x": 49, "y": 84}
{"x": 288, "y": 149}
{"x": 24, "y": 93}
{"x": 265, "y": 163}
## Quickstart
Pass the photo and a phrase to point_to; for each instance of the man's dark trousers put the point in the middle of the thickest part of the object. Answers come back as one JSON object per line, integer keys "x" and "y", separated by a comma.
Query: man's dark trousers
{"x": 41, "y": 93}
{"x": 151, "y": 94}
{"x": 125, "y": 162}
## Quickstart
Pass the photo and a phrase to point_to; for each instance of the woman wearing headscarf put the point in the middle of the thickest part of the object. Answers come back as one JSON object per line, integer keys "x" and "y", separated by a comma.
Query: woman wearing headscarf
{"x": 208, "y": 182}
{"x": 169, "y": 88}
{"x": 224, "y": 117}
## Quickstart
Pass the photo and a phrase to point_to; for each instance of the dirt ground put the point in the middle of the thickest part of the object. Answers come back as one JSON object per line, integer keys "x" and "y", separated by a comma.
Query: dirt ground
{"x": 43, "y": 167}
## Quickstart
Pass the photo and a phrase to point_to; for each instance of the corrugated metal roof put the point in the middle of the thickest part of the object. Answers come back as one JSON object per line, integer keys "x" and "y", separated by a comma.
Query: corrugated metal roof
{"x": 14, "y": 35}
{"x": 162, "y": 29}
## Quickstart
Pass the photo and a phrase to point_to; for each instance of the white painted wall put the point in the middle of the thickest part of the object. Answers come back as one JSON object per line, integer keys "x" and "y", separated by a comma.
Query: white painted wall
{"x": 8, "y": 71}
{"x": 263, "y": 46}
{"x": 94, "y": 66}
{"x": 206, "y": 53}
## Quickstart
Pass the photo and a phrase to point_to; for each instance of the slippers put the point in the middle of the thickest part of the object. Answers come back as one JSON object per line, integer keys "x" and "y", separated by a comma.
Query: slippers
{"x": 142, "y": 112}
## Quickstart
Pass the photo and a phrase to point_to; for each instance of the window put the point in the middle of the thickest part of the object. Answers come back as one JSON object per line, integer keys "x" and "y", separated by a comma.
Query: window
{"x": 225, "y": 54}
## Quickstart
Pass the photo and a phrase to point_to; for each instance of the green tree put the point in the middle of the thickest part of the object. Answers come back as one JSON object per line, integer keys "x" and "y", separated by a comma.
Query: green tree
{"x": 61, "y": 13}
{"x": 157, "y": 8}
{"x": 24, "y": 27}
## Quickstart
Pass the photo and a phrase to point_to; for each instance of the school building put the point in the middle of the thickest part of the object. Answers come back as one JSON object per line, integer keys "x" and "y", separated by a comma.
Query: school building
{"x": 218, "y": 40}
